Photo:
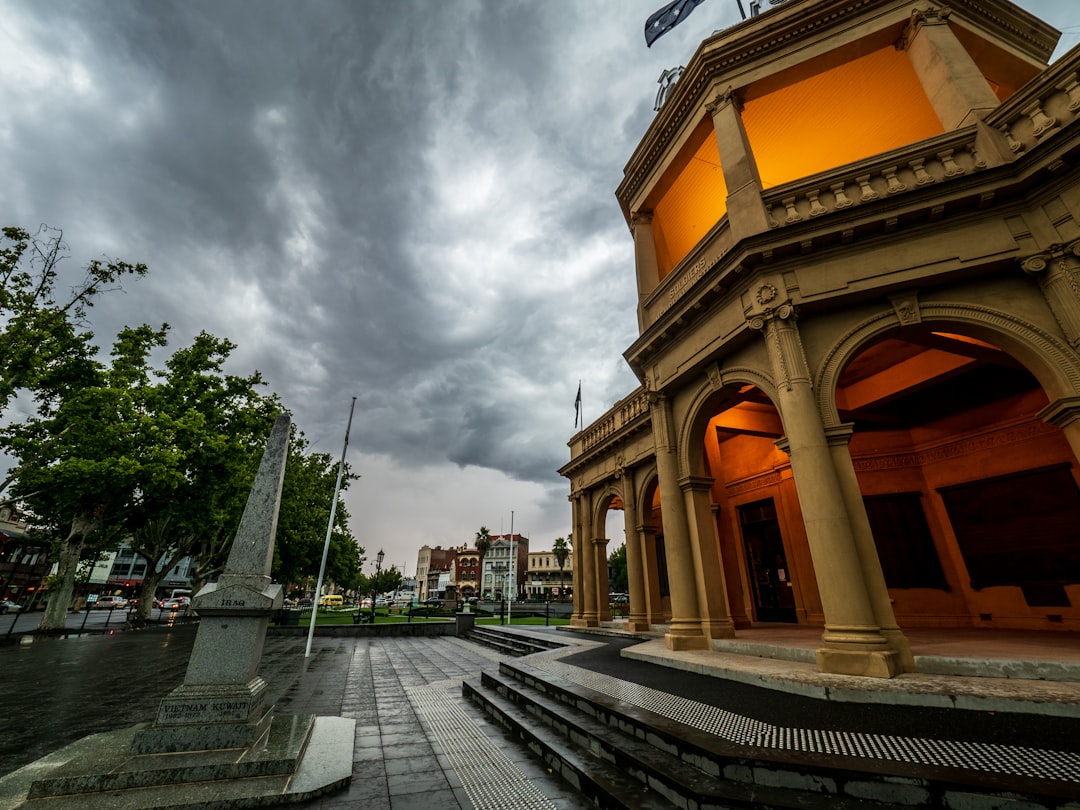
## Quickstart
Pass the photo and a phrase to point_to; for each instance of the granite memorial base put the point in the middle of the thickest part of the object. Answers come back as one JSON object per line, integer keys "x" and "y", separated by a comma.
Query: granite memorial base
{"x": 300, "y": 758}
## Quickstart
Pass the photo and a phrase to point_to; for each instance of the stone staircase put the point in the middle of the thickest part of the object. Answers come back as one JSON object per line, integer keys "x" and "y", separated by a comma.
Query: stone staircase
{"x": 623, "y": 756}
{"x": 509, "y": 642}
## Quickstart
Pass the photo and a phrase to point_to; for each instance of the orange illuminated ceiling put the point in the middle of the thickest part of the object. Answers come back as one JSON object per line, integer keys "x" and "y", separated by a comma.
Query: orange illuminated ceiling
{"x": 692, "y": 205}
{"x": 897, "y": 384}
{"x": 863, "y": 107}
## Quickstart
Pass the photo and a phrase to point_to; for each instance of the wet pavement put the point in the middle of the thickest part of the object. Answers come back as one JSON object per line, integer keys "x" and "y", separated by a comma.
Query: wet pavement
{"x": 418, "y": 743}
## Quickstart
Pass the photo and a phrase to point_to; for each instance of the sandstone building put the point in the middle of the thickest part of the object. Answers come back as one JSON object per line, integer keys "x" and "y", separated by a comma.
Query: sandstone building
{"x": 857, "y": 237}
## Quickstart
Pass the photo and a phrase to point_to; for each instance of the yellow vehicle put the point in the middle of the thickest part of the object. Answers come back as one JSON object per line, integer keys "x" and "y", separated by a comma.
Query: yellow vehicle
{"x": 331, "y": 600}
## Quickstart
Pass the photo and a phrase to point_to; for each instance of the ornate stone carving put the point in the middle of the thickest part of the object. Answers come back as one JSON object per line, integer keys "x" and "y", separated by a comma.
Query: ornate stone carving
{"x": 906, "y": 307}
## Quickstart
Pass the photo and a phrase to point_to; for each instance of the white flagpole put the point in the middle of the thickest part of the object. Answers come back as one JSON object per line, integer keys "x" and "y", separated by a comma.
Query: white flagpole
{"x": 513, "y": 562}
{"x": 329, "y": 532}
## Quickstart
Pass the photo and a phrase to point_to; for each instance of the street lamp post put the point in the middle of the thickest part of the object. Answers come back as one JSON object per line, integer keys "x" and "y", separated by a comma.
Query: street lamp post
{"x": 375, "y": 582}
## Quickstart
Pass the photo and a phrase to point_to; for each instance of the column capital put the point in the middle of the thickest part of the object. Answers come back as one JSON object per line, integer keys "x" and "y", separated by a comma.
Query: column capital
{"x": 1057, "y": 256}
{"x": 723, "y": 99}
{"x": 768, "y": 298}
{"x": 919, "y": 18}
{"x": 783, "y": 312}
{"x": 1061, "y": 412}
{"x": 698, "y": 483}
{"x": 640, "y": 218}
{"x": 839, "y": 435}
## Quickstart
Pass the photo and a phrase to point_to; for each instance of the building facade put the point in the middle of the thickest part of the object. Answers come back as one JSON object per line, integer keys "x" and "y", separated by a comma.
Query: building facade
{"x": 857, "y": 239}
{"x": 545, "y": 580}
{"x": 505, "y": 567}
{"x": 430, "y": 560}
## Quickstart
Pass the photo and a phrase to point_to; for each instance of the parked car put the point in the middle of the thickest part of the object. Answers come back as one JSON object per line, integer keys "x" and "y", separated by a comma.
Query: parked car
{"x": 7, "y": 604}
{"x": 384, "y": 602}
{"x": 433, "y": 601}
{"x": 110, "y": 602}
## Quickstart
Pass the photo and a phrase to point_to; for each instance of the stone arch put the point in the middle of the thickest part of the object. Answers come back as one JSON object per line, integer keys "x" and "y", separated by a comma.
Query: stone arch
{"x": 708, "y": 395}
{"x": 1052, "y": 362}
{"x": 602, "y": 499}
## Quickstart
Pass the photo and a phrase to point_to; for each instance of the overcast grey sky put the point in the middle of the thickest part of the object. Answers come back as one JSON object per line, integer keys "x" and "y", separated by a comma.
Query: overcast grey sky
{"x": 406, "y": 201}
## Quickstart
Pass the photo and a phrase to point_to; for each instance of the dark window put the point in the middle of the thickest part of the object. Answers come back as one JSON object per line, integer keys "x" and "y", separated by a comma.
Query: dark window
{"x": 1018, "y": 529}
{"x": 661, "y": 566}
{"x": 904, "y": 544}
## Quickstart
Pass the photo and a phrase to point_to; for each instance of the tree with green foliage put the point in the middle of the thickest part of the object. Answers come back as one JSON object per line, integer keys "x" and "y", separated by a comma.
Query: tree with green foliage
{"x": 387, "y": 580}
{"x": 617, "y": 577}
{"x": 85, "y": 458}
{"x": 44, "y": 345}
{"x": 210, "y": 428}
{"x": 483, "y": 542}
{"x": 306, "y": 497}
{"x": 561, "y": 549}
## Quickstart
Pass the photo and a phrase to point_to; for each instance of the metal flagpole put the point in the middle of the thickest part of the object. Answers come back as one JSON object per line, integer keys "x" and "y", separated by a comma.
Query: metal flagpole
{"x": 513, "y": 563}
{"x": 329, "y": 532}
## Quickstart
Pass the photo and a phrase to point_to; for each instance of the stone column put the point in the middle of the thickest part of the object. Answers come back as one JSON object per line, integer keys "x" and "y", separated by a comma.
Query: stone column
{"x": 712, "y": 593}
{"x": 646, "y": 264}
{"x": 1065, "y": 413}
{"x": 653, "y": 601}
{"x": 878, "y": 592}
{"x": 852, "y": 641}
{"x": 603, "y": 606}
{"x": 635, "y": 568}
{"x": 1058, "y": 272}
{"x": 684, "y": 632}
{"x": 585, "y": 614}
{"x": 745, "y": 211}
{"x": 955, "y": 86}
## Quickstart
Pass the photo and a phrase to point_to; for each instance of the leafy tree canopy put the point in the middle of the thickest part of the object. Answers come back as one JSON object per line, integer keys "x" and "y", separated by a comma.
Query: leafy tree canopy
{"x": 618, "y": 581}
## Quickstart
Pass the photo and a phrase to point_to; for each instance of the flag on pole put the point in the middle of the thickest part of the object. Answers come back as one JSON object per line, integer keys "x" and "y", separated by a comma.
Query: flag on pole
{"x": 578, "y": 415}
{"x": 667, "y": 18}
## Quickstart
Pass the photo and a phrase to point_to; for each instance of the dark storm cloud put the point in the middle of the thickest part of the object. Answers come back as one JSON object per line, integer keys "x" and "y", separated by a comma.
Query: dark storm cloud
{"x": 410, "y": 201}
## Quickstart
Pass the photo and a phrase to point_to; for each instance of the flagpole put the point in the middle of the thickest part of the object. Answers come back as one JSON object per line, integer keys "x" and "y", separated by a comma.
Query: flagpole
{"x": 329, "y": 532}
{"x": 513, "y": 560}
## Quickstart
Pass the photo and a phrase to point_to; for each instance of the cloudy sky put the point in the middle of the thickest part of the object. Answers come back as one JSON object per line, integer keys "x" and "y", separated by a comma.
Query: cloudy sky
{"x": 406, "y": 201}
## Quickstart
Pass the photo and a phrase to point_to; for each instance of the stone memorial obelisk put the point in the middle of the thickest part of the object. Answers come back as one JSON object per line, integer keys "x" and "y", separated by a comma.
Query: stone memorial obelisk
{"x": 215, "y": 742}
{"x": 222, "y": 702}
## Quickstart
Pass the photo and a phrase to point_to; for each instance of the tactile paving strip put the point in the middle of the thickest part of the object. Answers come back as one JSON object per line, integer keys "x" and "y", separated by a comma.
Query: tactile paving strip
{"x": 988, "y": 757}
{"x": 490, "y": 779}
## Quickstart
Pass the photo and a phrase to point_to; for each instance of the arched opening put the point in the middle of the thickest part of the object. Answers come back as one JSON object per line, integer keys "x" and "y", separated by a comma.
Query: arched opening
{"x": 763, "y": 561}
{"x": 972, "y": 498}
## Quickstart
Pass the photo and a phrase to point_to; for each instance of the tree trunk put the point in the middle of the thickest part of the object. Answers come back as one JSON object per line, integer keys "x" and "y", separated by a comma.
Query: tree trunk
{"x": 146, "y": 593}
{"x": 71, "y": 549}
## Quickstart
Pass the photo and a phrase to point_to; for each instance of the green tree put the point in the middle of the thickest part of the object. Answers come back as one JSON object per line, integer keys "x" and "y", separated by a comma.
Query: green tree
{"x": 44, "y": 347}
{"x": 483, "y": 542}
{"x": 204, "y": 432}
{"x": 84, "y": 458}
{"x": 617, "y": 578}
{"x": 306, "y": 498}
{"x": 561, "y": 549}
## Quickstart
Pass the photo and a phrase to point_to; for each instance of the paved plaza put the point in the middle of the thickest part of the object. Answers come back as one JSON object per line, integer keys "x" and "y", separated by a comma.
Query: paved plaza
{"x": 420, "y": 745}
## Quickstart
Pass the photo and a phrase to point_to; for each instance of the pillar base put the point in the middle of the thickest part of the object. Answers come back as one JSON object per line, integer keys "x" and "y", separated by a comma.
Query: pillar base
{"x": 576, "y": 622}
{"x": 870, "y": 663}
{"x": 899, "y": 643}
{"x": 681, "y": 642}
{"x": 723, "y": 628}
{"x": 635, "y": 626}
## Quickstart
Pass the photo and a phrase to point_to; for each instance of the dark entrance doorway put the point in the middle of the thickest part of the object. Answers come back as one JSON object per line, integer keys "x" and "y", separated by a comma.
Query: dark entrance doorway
{"x": 770, "y": 577}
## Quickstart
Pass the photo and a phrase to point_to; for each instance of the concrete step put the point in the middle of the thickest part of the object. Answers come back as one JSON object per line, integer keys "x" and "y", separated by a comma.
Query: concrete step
{"x": 574, "y": 728}
{"x": 603, "y": 784}
{"x": 510, "y": 643}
